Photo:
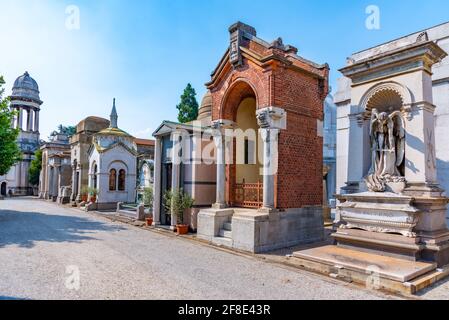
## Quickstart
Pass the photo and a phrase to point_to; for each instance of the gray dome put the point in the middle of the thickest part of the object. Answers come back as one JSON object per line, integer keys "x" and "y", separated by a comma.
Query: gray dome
{"x": 26, "y": 87}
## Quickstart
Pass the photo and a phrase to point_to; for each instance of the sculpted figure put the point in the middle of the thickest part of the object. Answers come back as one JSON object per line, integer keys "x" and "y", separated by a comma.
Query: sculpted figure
{"x": 387, "y": 135}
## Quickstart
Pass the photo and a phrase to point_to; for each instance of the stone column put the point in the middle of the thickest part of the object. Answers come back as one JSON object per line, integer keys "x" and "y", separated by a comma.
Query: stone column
{"x": 157, "y": 185}
{"x": 36, "y": 120}
{"x": 176, "y": 169}
{"x": 355, "y": 152}
{"x": 270, "y": 120}
{"x": 219, "y": 139}
{"x": 55, "y": 186}
{"x": 74, "y": 186}
{"x": 29, "y": 121}
{"x": 19, "y": 118}
{"x": 50, "y": 181}
{"x": 270, "y": 165}
{"x": 79, "y": 180}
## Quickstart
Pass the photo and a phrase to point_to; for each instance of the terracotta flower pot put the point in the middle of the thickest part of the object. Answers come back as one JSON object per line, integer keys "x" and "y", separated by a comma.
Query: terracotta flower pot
{"x": 149, "y": 222}
{"x": 84, "y": 198}
{"x": 182, "y": 229}
{"x": 93, "y": 199}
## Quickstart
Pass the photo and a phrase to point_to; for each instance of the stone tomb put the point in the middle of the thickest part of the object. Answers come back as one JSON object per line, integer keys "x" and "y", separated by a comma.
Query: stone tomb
{"x": 265, "y": 203}
{"x": 390, "y": 222}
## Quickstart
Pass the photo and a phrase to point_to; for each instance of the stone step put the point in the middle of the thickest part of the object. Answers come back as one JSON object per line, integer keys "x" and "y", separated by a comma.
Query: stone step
{"x": 227, "y": 226}
{"x": 220, "y": 241}
{"x": 225, "y": 234}
{"x": 366, "y": 263}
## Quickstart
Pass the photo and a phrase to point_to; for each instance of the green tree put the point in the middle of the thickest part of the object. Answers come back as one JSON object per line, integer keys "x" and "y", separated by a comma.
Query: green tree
{"x": 35, "y": 168}
{"x": 188, "y": 108}
{"x": 9, "y": 150}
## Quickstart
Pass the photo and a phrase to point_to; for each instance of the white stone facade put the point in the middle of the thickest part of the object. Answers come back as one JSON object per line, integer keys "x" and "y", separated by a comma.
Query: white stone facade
{"x": 112, "y": 166}
{"x": 351, "y": 168}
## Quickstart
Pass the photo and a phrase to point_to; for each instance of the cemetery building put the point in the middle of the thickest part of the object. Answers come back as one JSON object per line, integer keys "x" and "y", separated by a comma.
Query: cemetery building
{"x": 253, "y": 201}
{"x": 80, "y": 143}
{"x": 112, "y": 159}
{"x": 56, "y": 174}
{"x": 26, "y": 101}
{"x": 193, "y": 176}
{"x": 348, "y": 174}
{"x": 391, "y": 211}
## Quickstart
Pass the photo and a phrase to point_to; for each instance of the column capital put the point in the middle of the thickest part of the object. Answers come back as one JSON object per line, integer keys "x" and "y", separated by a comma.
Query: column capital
{"x": 222, "y": 124}
{"x": 272, "y": 118}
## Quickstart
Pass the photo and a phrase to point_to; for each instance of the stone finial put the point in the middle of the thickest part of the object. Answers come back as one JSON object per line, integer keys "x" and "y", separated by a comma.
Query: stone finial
{"x": 114, "y": 116}
{"x": 243, "y": 27}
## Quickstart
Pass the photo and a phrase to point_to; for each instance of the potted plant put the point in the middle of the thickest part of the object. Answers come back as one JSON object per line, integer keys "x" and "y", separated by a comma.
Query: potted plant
{"x": 93, "y": 192}
{"x": 84, "y": 194}
{"x": 177, "y": 201}
{"x": 148, "y": 202}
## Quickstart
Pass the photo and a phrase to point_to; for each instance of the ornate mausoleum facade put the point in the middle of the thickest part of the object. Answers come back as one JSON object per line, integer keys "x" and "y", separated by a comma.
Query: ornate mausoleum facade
{"x": 25, "y": 99}
{"x": 262, "y": 125}
{"x": 112, "y": 159}
{"x": 391, "y": 213}
{"x": 348, "y": 174}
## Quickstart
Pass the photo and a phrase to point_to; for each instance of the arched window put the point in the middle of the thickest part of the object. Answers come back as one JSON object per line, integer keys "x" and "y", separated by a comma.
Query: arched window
{"x": 112, "y": 180}
{"x": 121, "y": 180}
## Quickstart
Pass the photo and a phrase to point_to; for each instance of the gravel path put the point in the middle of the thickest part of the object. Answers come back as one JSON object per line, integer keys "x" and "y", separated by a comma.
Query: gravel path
{"x": 42, "y": 245}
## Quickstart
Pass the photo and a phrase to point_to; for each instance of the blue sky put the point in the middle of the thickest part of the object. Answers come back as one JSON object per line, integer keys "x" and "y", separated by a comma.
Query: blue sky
{"x": 145, "y": 52}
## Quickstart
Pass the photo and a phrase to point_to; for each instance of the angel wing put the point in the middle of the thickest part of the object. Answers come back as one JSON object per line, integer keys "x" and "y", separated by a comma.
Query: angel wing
{"x": 373, "y": 123}
{"x": 399, "y": 133}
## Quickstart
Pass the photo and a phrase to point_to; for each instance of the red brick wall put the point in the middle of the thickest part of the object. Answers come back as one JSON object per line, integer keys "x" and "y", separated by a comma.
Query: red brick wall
{"x": 300, "y": 175}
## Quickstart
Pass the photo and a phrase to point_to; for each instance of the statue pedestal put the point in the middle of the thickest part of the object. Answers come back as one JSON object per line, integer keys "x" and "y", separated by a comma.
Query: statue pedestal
{"x": 402, "y": 236}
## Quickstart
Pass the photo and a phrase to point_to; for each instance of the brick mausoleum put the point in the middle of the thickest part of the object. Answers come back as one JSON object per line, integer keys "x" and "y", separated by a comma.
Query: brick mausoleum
{"x": 268, "y": 87}
{"x": 275, "y": 76}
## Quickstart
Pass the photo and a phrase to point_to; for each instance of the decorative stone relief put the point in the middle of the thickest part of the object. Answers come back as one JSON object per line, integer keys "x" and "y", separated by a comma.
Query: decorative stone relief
{"x": 423, "y": 37}
{"x": 272, "y": 117}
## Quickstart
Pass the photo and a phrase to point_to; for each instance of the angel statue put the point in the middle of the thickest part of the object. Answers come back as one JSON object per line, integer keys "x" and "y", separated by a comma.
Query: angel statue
{"x": 387, "y": 134}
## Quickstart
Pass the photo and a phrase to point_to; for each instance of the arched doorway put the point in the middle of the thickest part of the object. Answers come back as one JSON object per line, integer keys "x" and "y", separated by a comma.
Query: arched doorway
{"x": 244, "y": 186}
{"x": 248, "y": 174}
{"x": 3, "y": 189}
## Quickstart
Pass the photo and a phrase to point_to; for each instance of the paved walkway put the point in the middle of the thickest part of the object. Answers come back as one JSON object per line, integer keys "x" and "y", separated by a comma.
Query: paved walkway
{"x": 43, "y": 247}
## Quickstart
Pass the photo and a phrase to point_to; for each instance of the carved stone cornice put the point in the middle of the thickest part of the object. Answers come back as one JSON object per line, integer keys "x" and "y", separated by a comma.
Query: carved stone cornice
{"x": 420, "y": 55}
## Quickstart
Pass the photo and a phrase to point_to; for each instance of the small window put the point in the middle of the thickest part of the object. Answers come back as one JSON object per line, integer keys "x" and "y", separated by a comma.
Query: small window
{"x": 112, "y": 180}
{"x": 121, "y": 180}
{"x": 249, "y": 152}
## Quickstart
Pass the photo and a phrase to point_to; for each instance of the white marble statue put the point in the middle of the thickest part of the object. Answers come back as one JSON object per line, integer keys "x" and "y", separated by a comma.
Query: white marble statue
{"x": 387, "y": 134}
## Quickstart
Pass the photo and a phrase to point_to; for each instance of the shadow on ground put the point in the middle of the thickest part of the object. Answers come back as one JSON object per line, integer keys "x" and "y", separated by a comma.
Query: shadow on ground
{"x": 26, "y": 228}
